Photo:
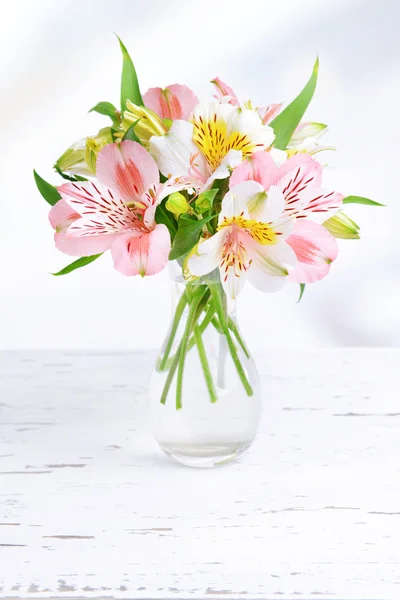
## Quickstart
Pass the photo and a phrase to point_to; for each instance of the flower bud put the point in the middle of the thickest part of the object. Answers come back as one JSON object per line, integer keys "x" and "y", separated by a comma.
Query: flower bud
{"x": 304, "y": 131}
{"x": 148, "y": 123}
{"x": 94, "y": 145}
{"x": 80, "y": 158}
{"x": 177, "y": 204}
{"x": 205, "y": 201}
{"x": 341, "y": 226}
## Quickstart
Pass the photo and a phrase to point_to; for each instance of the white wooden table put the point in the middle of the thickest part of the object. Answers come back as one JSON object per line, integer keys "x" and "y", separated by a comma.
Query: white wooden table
{"x": 90, "y": 507}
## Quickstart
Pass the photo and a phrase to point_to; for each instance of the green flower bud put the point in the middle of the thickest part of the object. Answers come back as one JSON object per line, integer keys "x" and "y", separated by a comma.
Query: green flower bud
{"x": 205, "y": 201}
{"x": 177, "y": 204}
{"x": 148, "y": 123}
{"x": 94, "y": 145}
{"x": 80, "y": 158}
{"x": 341, "y": 226}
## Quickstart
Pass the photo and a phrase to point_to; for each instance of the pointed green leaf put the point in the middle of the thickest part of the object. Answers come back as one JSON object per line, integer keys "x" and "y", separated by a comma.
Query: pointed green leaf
{"x": 77, "y": 264}
{"x": 166, "y": 218}
{"x": 131, "y": 135}
{"x": 48, "y": 191}
{"x": 286, "y": 122}
{"x": 129, "y": 82}
{"x": 302, "y": 288}
{"x": 360, "y": 200}
{"x": 188, "y": 235}
{"x": 107, "y": 109}
{"x": 69, "y": 177}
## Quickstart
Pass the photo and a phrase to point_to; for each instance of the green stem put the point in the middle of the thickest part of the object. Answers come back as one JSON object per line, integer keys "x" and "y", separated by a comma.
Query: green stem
{"x": 216, "y": 324}
{"x": 170, "y": 376}
{"x": 203, "y": 325}
{"x": 216, "y": 295}
{"x": 191, "y": 320}
{"x": 174, "y": 328}
{"x": 204, "y": 363}
{"x": 235, "y": 330}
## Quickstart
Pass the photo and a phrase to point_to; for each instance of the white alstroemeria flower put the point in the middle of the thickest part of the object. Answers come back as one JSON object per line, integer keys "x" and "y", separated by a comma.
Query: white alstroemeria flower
{"x": 196, "y": 153}
{"x": 250, "y": 241}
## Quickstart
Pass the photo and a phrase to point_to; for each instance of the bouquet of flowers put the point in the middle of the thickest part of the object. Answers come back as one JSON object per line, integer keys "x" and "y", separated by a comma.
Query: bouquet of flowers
{"x": 230, "y": 191}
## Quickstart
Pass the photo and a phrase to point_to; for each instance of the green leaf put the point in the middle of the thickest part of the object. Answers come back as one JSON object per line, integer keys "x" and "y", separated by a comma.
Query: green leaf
{"x": 48, "y": 191}
{"x": 166, "y": 218}
{"x": 360, "y": 200}
{"x": 131, "y": 135}
{"x": 188, "y": 235}
{"x": 107, "y": 109}
{"x": 77, "y": 264}
{"x": 302, "y": 288}
{"x": 286, "y": 122}
{"x": 69, "y": 177}
{"x": 129, "y": 82}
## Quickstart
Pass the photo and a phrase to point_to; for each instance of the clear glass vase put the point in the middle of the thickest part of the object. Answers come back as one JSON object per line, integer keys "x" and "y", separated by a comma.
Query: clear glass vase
{"x": 205, "y": 397}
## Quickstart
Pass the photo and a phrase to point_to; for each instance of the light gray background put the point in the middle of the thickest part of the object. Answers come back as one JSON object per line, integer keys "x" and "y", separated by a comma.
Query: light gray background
{"x": 57, "y": 59}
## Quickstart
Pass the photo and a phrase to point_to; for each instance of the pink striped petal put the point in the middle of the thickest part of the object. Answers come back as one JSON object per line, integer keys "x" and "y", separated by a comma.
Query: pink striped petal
{"x": 269, "y": 113}
{"x": 174, "y": 102}
{"x": 101, "y": 212}
{"x": 259, "y": 167}
{"x": 321, "y": 204}
{"x": 83, "y": 246}
{"x": 146, "y": 254}
{"x": 224, "y": 92}
{"x": 61, "y": 215}
{"x": 296, "y": 177}
{"x": 315, "y": 249}
{"x": 128, "y": 169}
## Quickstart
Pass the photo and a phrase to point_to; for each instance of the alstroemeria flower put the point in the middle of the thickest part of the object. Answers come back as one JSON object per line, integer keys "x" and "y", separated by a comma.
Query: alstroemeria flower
{"x": 249, "y": 243}
{"x": 219, "y": 136}
{"x": 298, "y": 182}
{"x": 174, "y": 102}
{"x": 116, "y": 212}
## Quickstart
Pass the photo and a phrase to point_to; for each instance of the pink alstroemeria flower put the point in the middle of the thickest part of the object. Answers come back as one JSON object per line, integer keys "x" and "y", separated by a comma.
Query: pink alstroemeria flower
{"x": 116, "y": 212}
{"x": 298, "y": 181}
{"x": 174, "y": 102}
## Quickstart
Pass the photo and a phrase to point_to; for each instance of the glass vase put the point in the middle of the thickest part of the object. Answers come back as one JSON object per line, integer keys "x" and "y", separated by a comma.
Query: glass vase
{"x": 205, "y": 397}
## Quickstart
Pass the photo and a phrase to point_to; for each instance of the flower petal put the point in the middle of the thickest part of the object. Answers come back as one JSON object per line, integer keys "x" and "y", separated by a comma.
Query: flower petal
{"x": 247, "y": 122}
{"x": 233, "y": 281}
{"x": 83, "y": 246}
{"x": 315, "y": 249}
{"x": 229, "y": 162}
{"x": 224, "y": 93}
{"x": 296, "y": 177}
{"x": 176, "y": 153}
{"x": 276, "y": 260}
{"x": 61, "y": 215}
{"x": 259, "y": 167}
{"x": 145, "y": 254}
{"x": 239, "y": 199}
{"x": 100, "y": 211}
{"x": 319, "y": 204}
{"x": 174, "y": 102}
{"x": 208, "y": 255}
{"x": 269, "y": 113}
{"x": 127, "y": 168}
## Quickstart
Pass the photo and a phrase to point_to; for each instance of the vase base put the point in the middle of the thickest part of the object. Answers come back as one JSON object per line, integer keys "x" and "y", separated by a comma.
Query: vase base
{"x": 205, "y": 455}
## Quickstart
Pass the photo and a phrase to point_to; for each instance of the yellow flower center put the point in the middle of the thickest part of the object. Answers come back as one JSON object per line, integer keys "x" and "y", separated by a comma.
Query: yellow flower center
{"x": 261, "y": 232}
{"x": 211, "y": 137}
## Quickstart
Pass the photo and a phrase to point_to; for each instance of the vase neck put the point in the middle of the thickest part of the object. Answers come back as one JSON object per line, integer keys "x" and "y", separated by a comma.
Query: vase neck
{"x": 180, "y": 288}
